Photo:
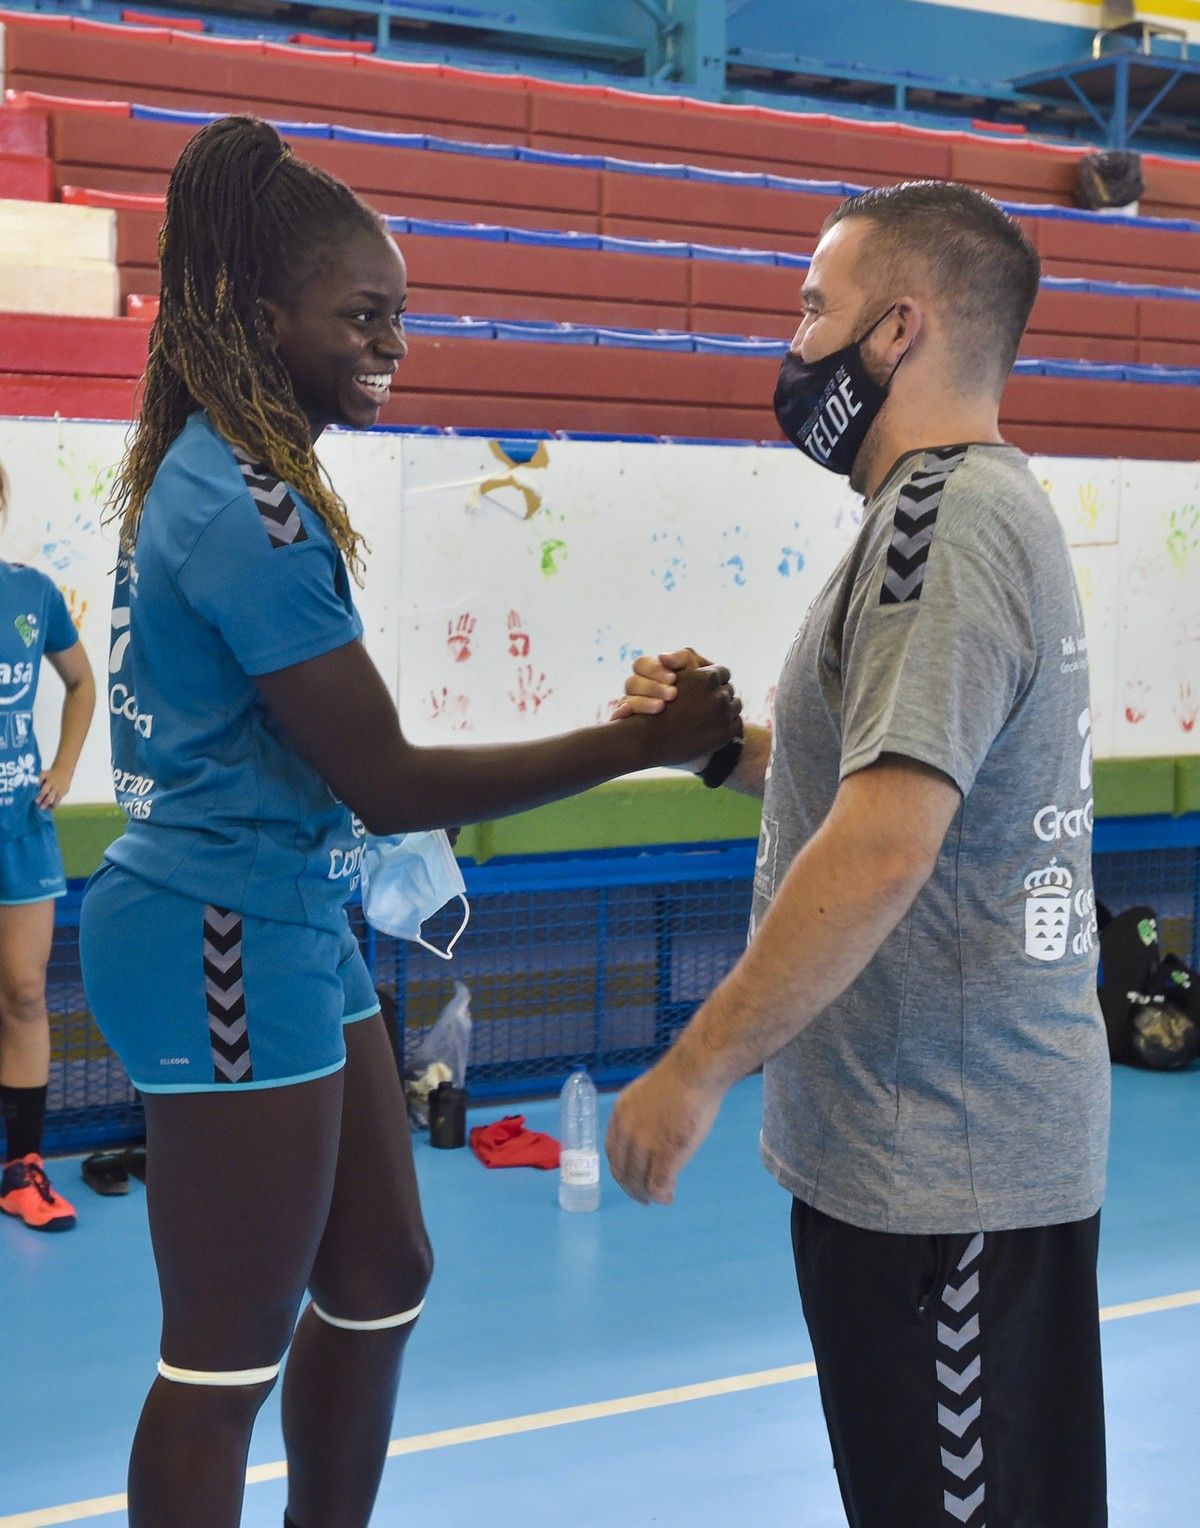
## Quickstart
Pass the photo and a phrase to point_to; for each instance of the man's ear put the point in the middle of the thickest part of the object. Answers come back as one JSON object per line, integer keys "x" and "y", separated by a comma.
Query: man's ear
{"x": 905, "y": 328}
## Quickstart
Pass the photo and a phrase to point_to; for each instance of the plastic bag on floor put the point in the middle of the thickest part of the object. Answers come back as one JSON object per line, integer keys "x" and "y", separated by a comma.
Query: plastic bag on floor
{"x": 440, "y": 1057}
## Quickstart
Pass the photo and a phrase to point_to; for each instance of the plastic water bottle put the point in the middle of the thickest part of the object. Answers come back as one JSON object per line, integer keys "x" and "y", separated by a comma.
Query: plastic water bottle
{"x": 579, "y": 1174}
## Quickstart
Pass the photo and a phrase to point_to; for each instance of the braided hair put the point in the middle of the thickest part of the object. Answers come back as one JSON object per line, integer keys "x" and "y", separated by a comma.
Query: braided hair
{"x": 244, "y": 220}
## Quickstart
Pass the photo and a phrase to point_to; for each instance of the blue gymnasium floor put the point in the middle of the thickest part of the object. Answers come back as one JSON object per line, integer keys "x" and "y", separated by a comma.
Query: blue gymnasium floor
{"x": 533, "y": 1311}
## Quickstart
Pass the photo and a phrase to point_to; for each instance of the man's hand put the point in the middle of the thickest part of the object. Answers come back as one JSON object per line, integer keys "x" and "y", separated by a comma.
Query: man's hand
{"x": 653, "y": 683}
{"x": 657, "y": 1125}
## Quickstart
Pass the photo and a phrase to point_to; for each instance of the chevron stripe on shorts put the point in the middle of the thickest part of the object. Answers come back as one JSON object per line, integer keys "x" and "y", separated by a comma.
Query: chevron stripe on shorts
{"x": 912, "y": 531}
{"x": 274, "y": 502}
{"x": 960, "y": 1391}
{"x": 225, "y": 996}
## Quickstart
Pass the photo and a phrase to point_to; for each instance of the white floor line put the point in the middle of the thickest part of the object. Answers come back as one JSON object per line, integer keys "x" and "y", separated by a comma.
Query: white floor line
{"x": 539, "y": 1421}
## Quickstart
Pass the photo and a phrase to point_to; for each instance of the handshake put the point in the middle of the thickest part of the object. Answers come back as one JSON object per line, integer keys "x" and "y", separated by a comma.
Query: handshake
{"x": 685, "y": 706}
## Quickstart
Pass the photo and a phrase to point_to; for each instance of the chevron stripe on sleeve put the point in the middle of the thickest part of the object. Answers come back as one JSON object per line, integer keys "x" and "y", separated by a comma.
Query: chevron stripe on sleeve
{"x": 912, "y": 533}
{"x": 273, "y": 499}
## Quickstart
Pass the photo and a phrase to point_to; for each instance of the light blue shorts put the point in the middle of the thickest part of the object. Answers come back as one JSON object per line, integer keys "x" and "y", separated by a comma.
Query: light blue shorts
{"x": 198, "y": 999}
{"x": 31, "y": 867}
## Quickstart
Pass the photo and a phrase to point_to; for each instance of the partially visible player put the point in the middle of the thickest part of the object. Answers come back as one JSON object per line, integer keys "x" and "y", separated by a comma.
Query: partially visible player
{"x": 34, "y": 623}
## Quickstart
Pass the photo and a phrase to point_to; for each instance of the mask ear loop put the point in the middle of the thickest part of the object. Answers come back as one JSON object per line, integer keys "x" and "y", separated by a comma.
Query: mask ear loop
{"x": 448, "y": 952}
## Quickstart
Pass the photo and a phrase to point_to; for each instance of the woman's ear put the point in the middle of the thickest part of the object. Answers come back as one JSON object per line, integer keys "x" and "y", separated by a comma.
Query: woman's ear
{"x": 274, "y": 319}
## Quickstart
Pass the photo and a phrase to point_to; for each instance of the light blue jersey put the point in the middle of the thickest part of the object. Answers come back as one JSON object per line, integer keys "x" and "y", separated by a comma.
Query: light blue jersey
{"x": 234, "y": 575}
{"x": 33, "y": 620}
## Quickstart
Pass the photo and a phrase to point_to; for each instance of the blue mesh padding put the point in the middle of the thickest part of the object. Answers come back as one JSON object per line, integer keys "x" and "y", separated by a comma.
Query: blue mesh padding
{"x": 645, "y": 339}
{"x": 565, "y": 161}
{"x": 646, "y": 167}
{"x": 169, "y": 114}
{"x": 708, "y": 344}
{"x": 703, "y": 440}
{"x": 725, "y": 177}
{"x": 669, "y": 247}
{"x": 546, "y": 333}
{"x": 549, "y": 236}
{"x": 447, "y": 325}
{"x": 476, "y": 150}
{"x": 492, "y": 233}
{"x": 731, "y": 253}
{"x": 808, "y": 187}
{"x": 599, "y": 960}
{"x": 382, "y": 140}
{"x": 512, "y": 438}
{"x": 605, "y": 436}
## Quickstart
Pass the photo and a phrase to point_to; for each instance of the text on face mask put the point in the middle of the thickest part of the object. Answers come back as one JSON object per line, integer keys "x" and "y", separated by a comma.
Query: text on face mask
{"x": 833, "y": 420}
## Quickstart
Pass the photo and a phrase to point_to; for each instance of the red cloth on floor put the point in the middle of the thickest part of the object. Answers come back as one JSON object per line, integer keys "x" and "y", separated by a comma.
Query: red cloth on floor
{"x": 507, "y": 1143}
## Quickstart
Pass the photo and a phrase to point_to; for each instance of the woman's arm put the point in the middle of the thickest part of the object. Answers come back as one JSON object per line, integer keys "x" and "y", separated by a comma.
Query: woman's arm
{"x": 72, "y": 667}
{"x": 338, "y": 713}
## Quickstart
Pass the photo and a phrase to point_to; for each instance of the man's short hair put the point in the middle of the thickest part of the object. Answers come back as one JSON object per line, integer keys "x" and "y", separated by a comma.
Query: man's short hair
{"x": 973, "y": 258}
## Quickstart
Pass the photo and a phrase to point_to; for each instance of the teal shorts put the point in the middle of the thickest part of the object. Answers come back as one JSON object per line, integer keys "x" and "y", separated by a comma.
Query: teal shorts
{"x": 31, "y": 867}
{"x": 199, "y": 999}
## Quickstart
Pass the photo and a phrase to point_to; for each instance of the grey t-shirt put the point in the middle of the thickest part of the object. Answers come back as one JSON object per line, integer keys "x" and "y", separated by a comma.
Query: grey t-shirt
{"x": 962, "y": 1082}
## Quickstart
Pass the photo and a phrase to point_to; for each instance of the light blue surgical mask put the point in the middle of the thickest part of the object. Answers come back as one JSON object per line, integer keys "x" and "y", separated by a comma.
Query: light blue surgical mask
{"x": 406, "y": 878}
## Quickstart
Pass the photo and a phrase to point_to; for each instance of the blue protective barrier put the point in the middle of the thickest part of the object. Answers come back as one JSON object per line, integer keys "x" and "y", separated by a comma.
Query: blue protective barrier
{"x": 590, "y": 959}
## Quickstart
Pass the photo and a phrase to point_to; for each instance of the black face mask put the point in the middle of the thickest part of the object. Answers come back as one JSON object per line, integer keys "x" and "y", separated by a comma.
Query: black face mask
{"x": 826, "y": 407}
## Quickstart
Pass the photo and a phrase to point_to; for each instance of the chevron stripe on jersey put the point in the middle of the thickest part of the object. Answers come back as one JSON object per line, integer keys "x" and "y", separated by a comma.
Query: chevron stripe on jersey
{"x": 273, "y": 498}
{"x": 225, "y": 996}
{"x": 912, "y": 532}
{"x": 960, "y": 1403}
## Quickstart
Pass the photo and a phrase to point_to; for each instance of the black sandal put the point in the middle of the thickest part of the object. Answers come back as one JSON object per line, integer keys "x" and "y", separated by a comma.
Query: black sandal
{"x": 106, "y": 1172}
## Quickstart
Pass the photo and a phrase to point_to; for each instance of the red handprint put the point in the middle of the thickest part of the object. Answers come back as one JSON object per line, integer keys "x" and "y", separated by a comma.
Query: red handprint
{"x": 518, "y": 637}
{"x": 450, "y": 710}
{"x": 1137, "y": 700}
{"x": 530, "y": 693}
{"x": 1187, "y": 707}
{"x": 458, "y": 637}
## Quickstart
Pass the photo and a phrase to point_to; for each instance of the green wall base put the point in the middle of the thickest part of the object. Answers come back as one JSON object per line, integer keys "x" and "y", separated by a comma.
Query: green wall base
{"x": 633, "y": 813}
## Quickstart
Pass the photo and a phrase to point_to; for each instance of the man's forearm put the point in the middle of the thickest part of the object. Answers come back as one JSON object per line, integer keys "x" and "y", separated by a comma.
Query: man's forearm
{"x": 839, "y": 902}
{"x": 750, "y": 776}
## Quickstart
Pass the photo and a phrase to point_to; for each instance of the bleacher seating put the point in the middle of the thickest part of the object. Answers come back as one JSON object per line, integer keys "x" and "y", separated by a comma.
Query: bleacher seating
{"x": 536, "y": 204}
{"x": 162, "y": 66}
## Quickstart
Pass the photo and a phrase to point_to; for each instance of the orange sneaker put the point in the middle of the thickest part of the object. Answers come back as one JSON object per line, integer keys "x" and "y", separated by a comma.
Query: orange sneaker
{"x": 26, "y": 1193}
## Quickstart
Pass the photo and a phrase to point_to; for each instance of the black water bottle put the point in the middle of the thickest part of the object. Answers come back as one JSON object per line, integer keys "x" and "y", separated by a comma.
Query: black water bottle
{"x": 448, "y": 1116}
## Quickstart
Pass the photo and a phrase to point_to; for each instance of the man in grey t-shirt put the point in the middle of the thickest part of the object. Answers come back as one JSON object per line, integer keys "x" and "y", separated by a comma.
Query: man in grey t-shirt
{"x": 920, "y": 986}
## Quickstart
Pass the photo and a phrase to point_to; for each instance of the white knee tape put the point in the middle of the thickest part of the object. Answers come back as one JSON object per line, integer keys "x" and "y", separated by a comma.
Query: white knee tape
{"x": 382, "y": 1324}
{"x": 218, "y": 1376}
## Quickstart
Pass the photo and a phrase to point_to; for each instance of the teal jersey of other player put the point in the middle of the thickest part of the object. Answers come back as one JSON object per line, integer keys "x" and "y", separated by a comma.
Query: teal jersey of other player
{"x": 33, "y": 620}
{"x": 233, "y": 576}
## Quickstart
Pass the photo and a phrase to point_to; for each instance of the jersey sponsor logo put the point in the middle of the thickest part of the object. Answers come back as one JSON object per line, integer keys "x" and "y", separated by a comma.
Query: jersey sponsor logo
{"x": 346, "y": 863}
{"x": 1052, "y": 823}
{"x": 19, "y": 772}
{"x": 120, "y": 638}
{"x": 123, "y": 702}
{"x": 27, "y": 628}
{"x": 126, "y": 783}
{"x": 17, "y": 676}
{"x": 22, "y": 727}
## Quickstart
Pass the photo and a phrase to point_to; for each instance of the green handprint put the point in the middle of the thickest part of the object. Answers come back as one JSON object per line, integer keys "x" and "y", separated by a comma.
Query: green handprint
{"x": 1183, "y": 534}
